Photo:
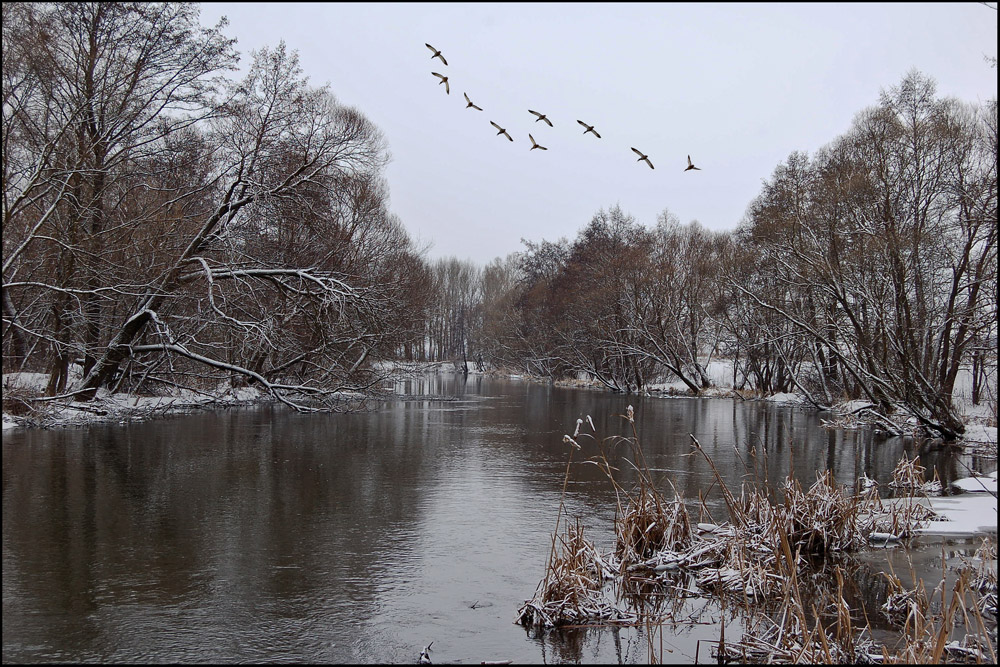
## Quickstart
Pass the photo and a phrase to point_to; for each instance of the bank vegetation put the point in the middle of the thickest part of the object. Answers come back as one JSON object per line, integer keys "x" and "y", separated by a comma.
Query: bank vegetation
{"x": 780, "y": 563}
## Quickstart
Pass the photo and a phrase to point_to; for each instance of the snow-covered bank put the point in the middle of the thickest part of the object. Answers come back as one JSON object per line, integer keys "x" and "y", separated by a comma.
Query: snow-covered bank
{"x": 980, "y": 433}
{"x": 122, "y": 407}
{"x": 980, "y": 420}
{"x": 981, "y": 430}
{"x": 971, "y": 513}
{"x": 115, "y": 407}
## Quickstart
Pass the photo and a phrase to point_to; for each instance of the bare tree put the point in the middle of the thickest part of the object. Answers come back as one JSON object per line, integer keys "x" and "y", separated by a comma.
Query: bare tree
{"x": 498, "y": 317}
{"x": 454, "y": 310}
{"x": 279, "y": 141}
{"x": 171, "y": 223}
{"x": 670, "y": 320}
{"x": 884, "y": 249}
{"x": 620, "y": 304}
{"x": 111, "y": 84}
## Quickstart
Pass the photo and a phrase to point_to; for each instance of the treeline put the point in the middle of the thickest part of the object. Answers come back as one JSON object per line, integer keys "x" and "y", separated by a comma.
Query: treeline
{"x": 165, "y": 223}
{"x": 868, "y": 271}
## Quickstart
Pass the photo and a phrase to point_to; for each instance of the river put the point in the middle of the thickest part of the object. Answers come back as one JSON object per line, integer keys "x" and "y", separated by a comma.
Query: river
{"x": 261, "y": 534}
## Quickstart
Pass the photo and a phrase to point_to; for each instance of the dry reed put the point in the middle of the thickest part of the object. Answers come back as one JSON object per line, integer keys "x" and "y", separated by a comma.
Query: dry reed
{"x": 908, "y": 479}
{"x": 571, "y": 592}
{"x": 756, "y": 561}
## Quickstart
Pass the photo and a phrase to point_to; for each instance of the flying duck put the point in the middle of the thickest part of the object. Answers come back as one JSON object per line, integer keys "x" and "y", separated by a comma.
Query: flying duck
{"x": 535, "y": 145}
{"x": 502, "y": 131}
{"x": 642, "y": 157}
{"x": 437, "y": 54}
{"x": 691, "y": 166}
{"x": 541, "y": 116}
{"x": 590, "y": 128}
{"x": 443, "y": 80}
{"x": 470, "y": 104}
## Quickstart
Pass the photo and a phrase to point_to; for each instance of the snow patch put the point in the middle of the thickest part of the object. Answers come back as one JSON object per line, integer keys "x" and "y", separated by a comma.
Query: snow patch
{"x": 118, "y": 407}
{"x": 962, "y": 516}
{"x": 977, "y": 484}
{"x": 27, "y": 381}
{"x": 980, "y": 433}
{"x": 786, "y": 397}
{"x": 853, "y": 406}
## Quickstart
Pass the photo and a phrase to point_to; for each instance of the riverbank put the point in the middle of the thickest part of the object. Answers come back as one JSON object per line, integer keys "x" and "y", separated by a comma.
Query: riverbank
{"x": 25, "y": 406}
{"x": 980, "y": 420}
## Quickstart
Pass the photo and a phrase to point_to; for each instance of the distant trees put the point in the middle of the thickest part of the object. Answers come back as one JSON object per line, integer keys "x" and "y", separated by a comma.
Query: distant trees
{"x": 866, "y": 272}
{"x": 621, "y": 304}
{"x": 163, "y": 223}
{"x": 593, "y": 300}
{"x": 453, "y": 312}
{"x": 676, "y": 302}
{"x": 491, "y": 340}
{"x": 570, "y": 305}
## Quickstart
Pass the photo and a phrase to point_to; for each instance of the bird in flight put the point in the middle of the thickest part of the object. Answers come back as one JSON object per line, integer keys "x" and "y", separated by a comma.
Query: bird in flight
{"x": 590, "y": 128}
{"x": 470, "y": 104}
{"x": 443, "y": 80}
{"x": 691, "y": 165}
{"x": 541, "y": 116}
{"x": 642, "y": 157}
{"x": 437, "y": 54}
{"x": 502, "y": 131}
{"x": 535, "y": 144}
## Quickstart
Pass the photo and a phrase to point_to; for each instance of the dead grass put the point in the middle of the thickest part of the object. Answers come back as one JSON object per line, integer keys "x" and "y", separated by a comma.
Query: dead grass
{"x": 931, "y": 621}
{"x": 908, "y": 479}
{"x": 17, "y": 402}
{"x": 571, "y": 592}
{"x": 756, "y": 563}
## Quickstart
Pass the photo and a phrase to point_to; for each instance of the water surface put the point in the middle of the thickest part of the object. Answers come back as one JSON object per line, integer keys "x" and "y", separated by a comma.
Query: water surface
{"x": 267, "y": 535}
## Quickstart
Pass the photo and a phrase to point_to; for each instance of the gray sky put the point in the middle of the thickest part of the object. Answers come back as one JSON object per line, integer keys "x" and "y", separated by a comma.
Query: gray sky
{"x": 736, "y": 86}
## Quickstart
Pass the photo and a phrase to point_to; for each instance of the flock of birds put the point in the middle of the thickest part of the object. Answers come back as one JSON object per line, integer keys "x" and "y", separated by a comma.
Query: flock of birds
{"x": 540, "y": 117}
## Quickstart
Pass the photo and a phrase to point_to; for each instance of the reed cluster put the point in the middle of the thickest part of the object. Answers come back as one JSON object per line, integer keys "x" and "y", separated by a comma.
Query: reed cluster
{"x": 572, "y": 591}
{"x": 799, "y": 633}
{"x": 826, "y": 633}
{"x": 758, "y": 562}
{"x": 651, "y": 525}
{"x": 908, "y": 479}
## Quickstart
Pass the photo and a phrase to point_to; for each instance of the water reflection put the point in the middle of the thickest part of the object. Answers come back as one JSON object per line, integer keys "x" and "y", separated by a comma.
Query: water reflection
{"x": 266, "y": 535}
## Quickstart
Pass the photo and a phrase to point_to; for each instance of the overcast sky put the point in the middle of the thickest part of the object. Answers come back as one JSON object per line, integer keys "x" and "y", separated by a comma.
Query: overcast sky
{"x": 736, "y": 86}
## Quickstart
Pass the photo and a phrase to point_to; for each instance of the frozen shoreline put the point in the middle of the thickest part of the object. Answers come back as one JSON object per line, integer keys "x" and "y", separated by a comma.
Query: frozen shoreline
{"x": 107, "y": 407}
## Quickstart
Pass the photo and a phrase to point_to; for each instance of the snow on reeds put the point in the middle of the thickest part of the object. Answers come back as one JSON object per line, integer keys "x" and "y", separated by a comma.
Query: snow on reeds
{"x": 797, "y": 633}
{"x": 649, "y": 526}
{"x": 929, "y": 620}
{"x": 761, "y": 563}
{"x": 571, "y": 592}
{"x": 825, "y": 632}
{"x": 750, "y": 559}
{"x": 908, "y": 478}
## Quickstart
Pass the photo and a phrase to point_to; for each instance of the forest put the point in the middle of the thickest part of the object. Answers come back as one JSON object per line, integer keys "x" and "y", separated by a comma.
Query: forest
{"x": 166, "y": 224}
